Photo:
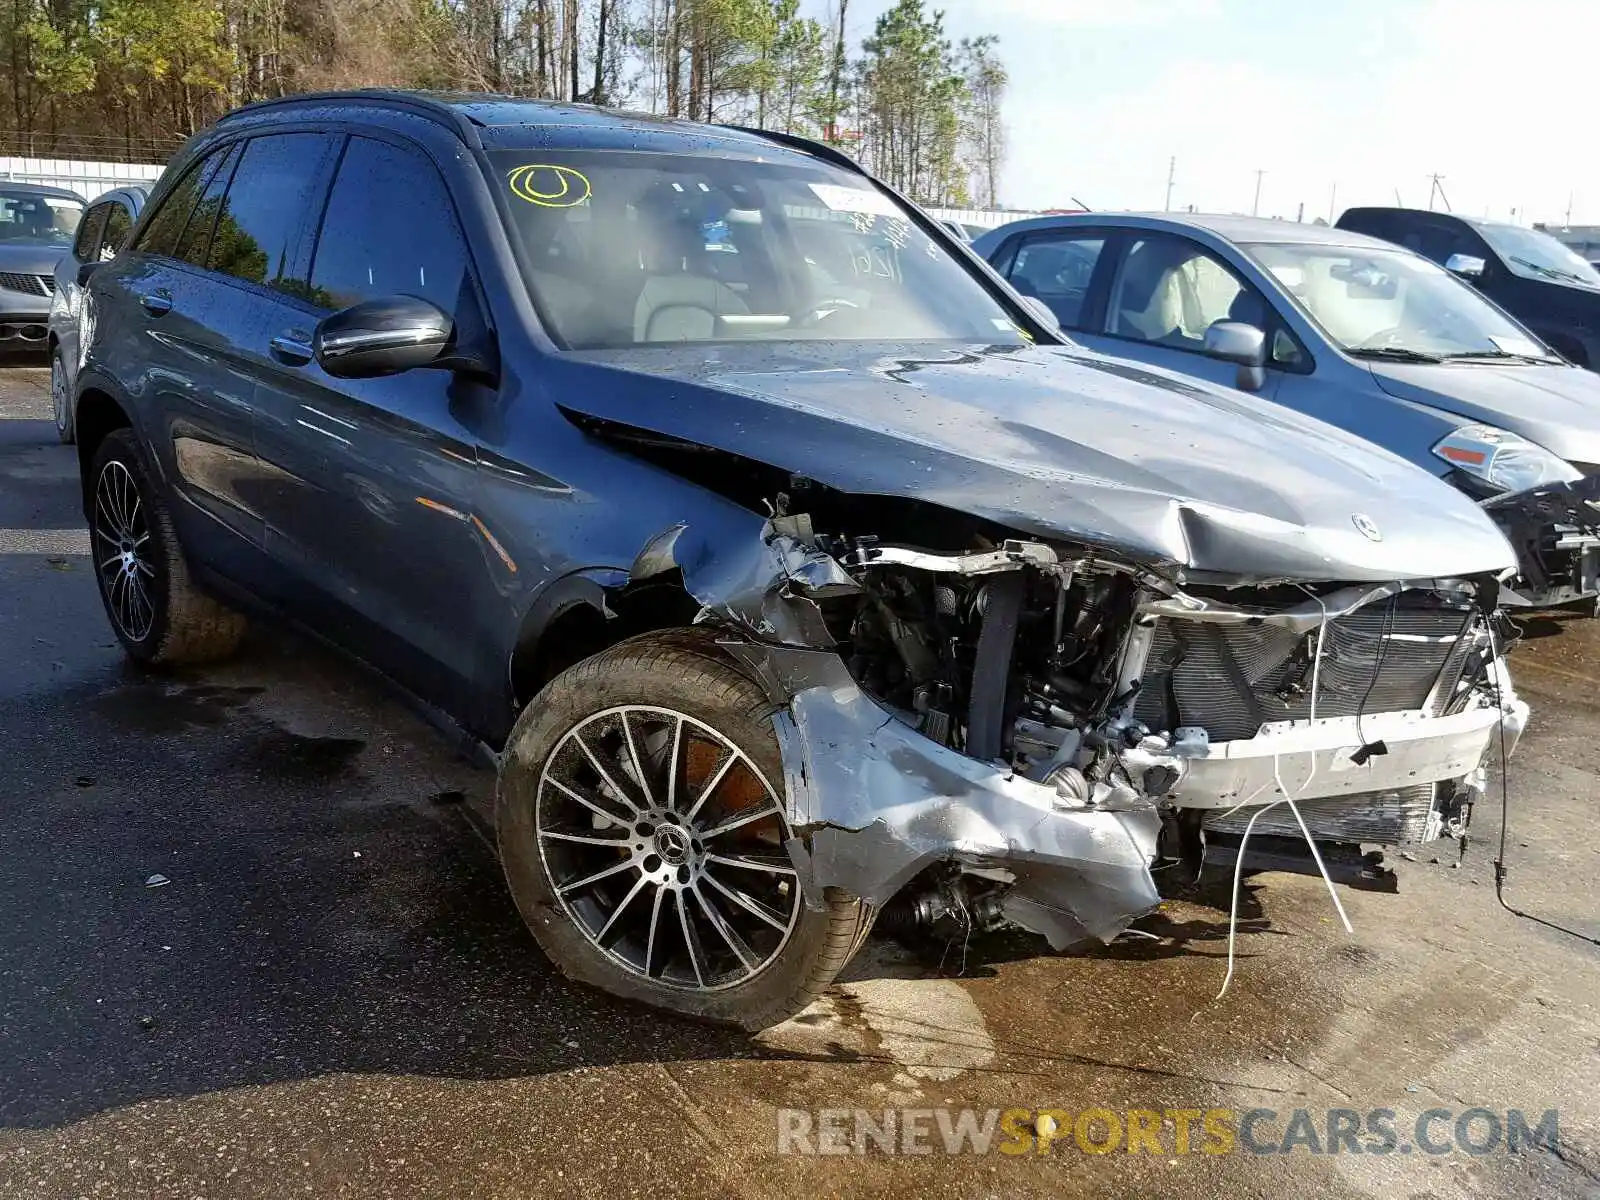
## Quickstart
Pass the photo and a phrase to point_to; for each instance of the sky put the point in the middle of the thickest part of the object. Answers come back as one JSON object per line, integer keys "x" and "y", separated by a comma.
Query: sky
{"x": 1336, "y": 102}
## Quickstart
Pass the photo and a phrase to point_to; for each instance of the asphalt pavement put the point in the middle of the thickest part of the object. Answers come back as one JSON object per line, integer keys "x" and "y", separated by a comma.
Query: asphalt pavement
{"x": 256, "y": 944}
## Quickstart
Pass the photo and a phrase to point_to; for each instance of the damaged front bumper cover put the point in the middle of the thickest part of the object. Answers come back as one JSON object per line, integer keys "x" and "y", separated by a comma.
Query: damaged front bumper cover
{"x": 873, "y": 803}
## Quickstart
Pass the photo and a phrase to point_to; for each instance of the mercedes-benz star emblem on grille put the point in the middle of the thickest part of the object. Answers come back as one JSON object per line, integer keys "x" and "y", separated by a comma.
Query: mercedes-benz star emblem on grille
{"x": 1368, "y": 528}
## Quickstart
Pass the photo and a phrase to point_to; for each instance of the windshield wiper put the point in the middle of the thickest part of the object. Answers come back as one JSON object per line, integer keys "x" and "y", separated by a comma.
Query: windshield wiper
{"x": 1393, "y": 354}
{"x": 1499, "y": 356}
{"x": 1554, "y": 272}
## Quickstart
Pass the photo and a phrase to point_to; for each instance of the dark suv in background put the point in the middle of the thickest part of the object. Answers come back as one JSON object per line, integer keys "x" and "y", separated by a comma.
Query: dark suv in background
{"x": 1552, "y": 290}
{"x": 782, "y": 561}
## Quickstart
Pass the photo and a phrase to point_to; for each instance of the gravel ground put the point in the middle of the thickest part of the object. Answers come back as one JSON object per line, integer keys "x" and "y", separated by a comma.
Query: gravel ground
{"x": 333, "y": 996}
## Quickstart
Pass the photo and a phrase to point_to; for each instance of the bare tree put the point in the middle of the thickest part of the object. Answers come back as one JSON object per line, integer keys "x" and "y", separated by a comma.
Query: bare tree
{"x": 983, "y": 133}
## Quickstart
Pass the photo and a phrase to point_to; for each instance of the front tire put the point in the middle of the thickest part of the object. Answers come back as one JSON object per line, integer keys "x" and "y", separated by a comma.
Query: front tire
{"x": 60, "y": 398}
{"x": 642, "y": 829}
{"x": 158, "y": 614}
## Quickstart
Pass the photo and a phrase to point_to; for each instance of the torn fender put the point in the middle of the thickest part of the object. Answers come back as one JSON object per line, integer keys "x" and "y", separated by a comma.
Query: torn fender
{"x": 873, "y": 802}
{"x": 769, "y": 582}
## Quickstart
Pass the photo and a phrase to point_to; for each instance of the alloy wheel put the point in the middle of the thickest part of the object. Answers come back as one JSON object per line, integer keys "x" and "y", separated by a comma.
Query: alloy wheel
{"x": 665, "y": 845}
{"x": 122, "y": 551}
{"x": 58, "y": 390}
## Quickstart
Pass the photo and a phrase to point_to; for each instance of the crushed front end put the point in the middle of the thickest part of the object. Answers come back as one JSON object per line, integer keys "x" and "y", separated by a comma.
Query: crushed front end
{"x": 1020, "y": 732}
{"x": 1555, "y": 530}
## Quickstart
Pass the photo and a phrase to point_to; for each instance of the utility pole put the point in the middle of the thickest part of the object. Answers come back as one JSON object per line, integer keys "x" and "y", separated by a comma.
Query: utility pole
{"x": 1300, "y": 213}
{"x": 1255, "y": 205}
{"x": 1567, "y": 224}
{"x": 1172, "y": 167}
{"x": 1437, "y": 186}
{"x": 1333, "y": 193}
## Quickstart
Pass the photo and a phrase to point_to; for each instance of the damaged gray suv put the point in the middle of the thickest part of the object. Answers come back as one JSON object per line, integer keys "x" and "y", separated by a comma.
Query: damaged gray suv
{"x": 786, "y": 566}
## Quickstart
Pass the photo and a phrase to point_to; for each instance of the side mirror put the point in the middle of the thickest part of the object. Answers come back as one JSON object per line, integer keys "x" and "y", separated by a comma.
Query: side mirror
{"x": 382, "y": 337}
{"x": 1043, "y": 312}
{"x": 1467, "y": 266}
{"x": 1236, "y": 342}
{"x": 84, "y": 271}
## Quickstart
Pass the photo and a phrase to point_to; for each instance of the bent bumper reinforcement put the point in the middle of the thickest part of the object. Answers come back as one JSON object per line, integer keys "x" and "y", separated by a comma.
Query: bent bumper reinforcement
{"x": 1313, "y": 759}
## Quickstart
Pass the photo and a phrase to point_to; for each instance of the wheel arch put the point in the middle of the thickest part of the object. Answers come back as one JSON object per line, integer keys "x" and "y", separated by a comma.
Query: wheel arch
{"x": 96, "y": 413}
{"x": 587, "y": 612}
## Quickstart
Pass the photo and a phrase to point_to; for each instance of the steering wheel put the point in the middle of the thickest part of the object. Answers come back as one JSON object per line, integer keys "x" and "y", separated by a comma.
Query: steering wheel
{"x": 822, "y": 310}
{"x": 1379, "y": 340}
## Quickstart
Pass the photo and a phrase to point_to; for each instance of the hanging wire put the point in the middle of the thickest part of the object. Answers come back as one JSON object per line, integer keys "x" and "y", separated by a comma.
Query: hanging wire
{"x": 1502, "y": 687}
{"x": 1286, "y": 798}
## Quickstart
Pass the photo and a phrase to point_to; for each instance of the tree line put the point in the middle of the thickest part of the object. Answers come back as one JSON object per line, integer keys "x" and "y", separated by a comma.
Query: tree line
{"x": 127, "y": 79}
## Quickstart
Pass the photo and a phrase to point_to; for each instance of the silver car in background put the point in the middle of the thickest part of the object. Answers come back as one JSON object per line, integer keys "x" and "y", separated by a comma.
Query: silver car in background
{"x": 37, "y": 225}
{"x": 1351, "y": 330}
{"x": 100, "y": 236}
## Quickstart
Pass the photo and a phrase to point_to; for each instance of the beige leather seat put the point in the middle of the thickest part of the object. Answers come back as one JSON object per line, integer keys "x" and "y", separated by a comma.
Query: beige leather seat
{"x": 682, "y": 308}
{"x": 1148, "y": 303}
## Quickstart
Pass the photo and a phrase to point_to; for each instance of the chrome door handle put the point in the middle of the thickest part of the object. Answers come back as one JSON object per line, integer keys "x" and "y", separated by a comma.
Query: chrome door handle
{"x": 157, "y": 304}
{"x": 290, "y": 349}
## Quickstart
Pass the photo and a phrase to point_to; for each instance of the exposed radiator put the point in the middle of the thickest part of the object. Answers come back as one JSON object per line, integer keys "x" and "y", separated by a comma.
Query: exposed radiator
{"x": 1381, "y": 818}
{"x": 1232, "y": 679}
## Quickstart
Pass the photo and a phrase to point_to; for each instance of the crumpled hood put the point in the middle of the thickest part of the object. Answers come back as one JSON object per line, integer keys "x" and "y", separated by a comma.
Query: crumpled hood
{"x": 1057, "y": 442}
{"x": 1558, "y": 407}
{"x": 30, "y": 258}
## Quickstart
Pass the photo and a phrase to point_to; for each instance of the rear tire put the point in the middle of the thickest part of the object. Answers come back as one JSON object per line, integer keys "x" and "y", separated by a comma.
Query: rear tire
{"x": 158, "y": 614}
{"x": 673, "y": 889}
{"x": 61, "y": 399}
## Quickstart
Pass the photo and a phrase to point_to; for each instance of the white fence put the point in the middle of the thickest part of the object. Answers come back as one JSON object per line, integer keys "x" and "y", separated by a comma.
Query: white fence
{"x": 88, "y": 179}
{"x": 987, "y": 218}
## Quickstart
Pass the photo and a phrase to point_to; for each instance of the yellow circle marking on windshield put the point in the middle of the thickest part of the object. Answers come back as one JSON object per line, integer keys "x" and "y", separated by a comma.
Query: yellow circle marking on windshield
{"x": 558, "y": 187}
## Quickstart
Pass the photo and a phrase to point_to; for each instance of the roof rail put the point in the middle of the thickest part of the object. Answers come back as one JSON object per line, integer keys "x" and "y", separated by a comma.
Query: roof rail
{"x": 412, "y": 102}
{"x": 795, "y": 142}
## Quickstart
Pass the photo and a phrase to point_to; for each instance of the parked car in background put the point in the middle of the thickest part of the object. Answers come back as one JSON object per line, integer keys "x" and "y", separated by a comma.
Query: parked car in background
{"x": 964, "y": 231}
{"x": 37, "y": 225}
{"x": 1355, "y": 332}
{"x": 101, "y": 234}
{"x": 779, "y": 558}
{"x": 1551, "y": 289}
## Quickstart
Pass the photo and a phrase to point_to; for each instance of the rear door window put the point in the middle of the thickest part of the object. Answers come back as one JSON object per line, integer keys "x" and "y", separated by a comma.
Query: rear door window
{"x": 86, "y": 244}
{"x": 389, "y": 229}
{"x": 161, "y": 233}
{"x": 196, "y": 238}
{"x": 1057, "y": 268}
{"x": 266, "y": 215}
{"x": 119, "y": 223}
